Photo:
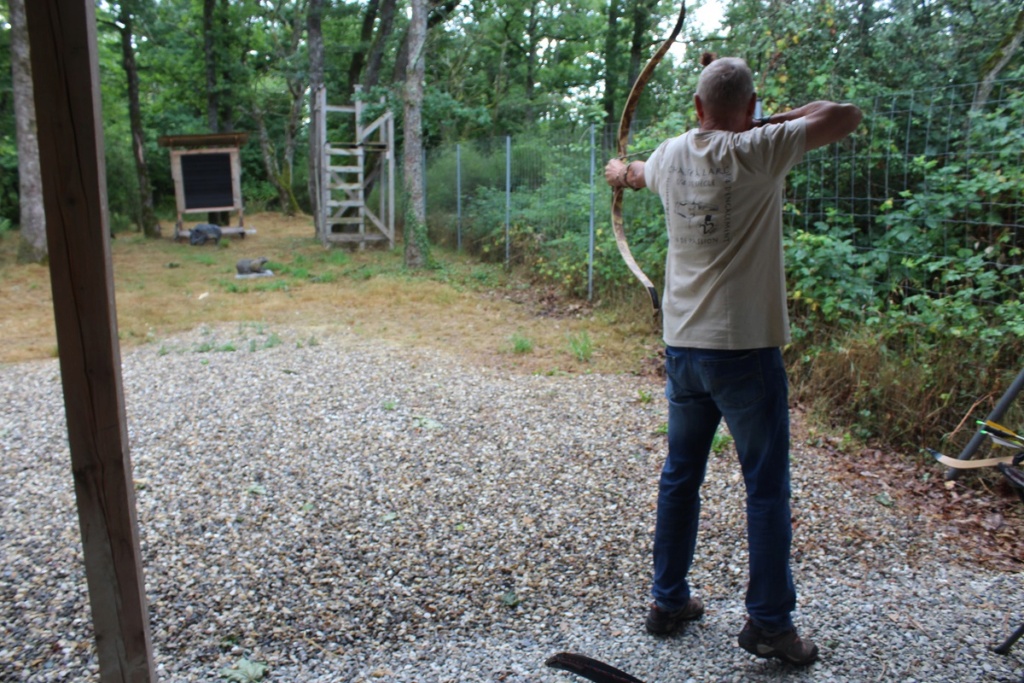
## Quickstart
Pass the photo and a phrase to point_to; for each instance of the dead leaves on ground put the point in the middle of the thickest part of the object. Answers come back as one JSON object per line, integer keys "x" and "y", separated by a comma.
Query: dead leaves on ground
{"x": 978, "y": 518}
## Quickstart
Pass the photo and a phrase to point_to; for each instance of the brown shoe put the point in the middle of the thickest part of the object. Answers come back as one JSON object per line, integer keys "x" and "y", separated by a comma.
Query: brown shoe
{"x": 662, "y": 622}
{"x": 786, "y": 645}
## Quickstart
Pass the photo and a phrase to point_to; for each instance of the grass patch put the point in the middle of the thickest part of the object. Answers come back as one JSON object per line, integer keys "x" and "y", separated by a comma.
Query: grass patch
{"x": 324, "y": 278}
{"x": 720, "y": 442}
{"x": 581, "y": 346}
{"x": 272, "y": 286}
{"x": 521, "y": 343}
{"x": 466, "y": 305}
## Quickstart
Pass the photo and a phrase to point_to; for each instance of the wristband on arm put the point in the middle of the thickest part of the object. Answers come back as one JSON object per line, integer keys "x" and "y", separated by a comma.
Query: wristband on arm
{"x": 625, "y": 178}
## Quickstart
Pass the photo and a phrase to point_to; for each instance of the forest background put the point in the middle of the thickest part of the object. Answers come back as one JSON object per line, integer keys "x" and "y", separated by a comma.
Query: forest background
{"x": 904, "y": 244}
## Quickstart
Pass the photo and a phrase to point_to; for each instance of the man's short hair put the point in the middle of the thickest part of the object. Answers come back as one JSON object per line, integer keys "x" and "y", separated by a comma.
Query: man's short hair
{"x": 726, "y": 85}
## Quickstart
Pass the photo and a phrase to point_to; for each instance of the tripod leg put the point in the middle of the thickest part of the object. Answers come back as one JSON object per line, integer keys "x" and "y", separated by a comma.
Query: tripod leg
{"x": 1004, "y": 648}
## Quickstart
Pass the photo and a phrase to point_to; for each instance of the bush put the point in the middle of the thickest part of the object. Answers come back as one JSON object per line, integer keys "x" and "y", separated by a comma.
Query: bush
{"x": 259, "y": 195}
{"x": 9, "y": 206}
{"x": 829, "y": 279}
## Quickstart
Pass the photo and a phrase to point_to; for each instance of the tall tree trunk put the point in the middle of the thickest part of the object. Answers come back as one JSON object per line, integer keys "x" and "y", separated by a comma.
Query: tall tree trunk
{"x": 147, "y": 216}
{"x": 417, "y": 253}
{"x": 226, "y": 112}
{"x": 30, "y": 184}
{"x": 998, "y": 60}
{"x": 531, "y": 61}
{"x": 355, "y": 68}
{"x": 271, "y": 166}
{"x": 643, "y": 20}
{"x": 315, "y": 40}
{"x": 865, "y": 22}
{"x": 210, "y": 57}
{"x": 297, "y": 90}
{"x": 212, "y": 95}
{"x": 438, "y": 11}
{"x": 297, "y": 85}
{"x": 380, "y": 41}
{"x": 611, "y": 63}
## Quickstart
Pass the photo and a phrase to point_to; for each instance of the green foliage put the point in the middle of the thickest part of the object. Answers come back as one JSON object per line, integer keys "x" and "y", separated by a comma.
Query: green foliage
{"x": 211, "y": 346}
{"x": 10, "y": 211}
{"x": 829, "y": 278}
{"x": 417, "y": 243}
{"x": 581, "y": 346}
{"x": 550, "y": 205}
{"x": 9, "y": 208}
{"x": 520, "y": 64}
{"x": 272, "y": 285}
{"x": 478, "y": 166}
{"x": 821, "y": 49}
{"x": 447, "y": 118}
{"x": 890, "y": 322}
{"x": 972, "y": 300}
{"x": 511, "y": 600}
{"x": 271, "y": 341}
{"x": 720, "y": 442}
{"x": 495, "y": 69}
{"x": 521, "y": 343}
{"x": 258, "y": 194}
{"x": 245, "y": 671}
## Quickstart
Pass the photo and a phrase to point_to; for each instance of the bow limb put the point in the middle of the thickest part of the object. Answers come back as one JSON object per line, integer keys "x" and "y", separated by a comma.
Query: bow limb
{"x": 627, "y": 255}
{"x": 623, "y": 140}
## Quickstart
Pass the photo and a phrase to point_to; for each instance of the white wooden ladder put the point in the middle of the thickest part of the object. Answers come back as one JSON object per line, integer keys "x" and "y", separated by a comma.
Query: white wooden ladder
{"x": 344, "y": 216}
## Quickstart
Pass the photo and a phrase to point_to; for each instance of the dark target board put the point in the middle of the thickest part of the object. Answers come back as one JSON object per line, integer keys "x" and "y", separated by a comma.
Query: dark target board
{"x": 207, "y": 177}
{"x": 207, "y": 180}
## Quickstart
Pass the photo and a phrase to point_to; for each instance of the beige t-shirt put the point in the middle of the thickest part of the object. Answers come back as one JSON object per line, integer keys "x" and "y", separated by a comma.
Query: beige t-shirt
{"x": 725, "y": 285}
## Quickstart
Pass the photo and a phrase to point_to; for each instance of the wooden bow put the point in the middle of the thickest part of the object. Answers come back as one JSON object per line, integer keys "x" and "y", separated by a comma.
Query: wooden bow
{"x": 624, "y": 125}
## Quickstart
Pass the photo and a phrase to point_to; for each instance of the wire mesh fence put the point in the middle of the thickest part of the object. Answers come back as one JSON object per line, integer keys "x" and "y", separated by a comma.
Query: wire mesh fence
{"x": 932, "y": 176}
{"x": 933, "y": 173}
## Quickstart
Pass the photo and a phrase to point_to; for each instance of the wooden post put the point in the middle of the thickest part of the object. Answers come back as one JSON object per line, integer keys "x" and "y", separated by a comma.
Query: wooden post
{"x": 62, "y": 37}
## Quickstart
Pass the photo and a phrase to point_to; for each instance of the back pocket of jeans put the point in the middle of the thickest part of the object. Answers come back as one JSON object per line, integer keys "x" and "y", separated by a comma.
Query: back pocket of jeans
{"x": 735, "y": 382}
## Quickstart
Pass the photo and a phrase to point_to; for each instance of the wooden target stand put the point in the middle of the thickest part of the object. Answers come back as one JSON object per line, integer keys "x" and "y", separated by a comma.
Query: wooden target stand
{"x": 207, "y": 176}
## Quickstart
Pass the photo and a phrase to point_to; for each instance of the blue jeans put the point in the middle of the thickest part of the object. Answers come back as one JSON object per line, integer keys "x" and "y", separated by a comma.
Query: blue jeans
{"x": 749, "y": 389}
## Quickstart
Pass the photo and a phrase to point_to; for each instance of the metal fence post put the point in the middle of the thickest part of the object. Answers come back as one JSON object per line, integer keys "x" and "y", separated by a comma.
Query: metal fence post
{"x": 508, "y": 200}
{"x": 590, "y": 252}
{"x": 458, "y": 197}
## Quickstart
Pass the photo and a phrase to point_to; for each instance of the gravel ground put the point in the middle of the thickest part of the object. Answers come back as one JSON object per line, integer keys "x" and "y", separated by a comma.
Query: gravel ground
{"x": 345, "y": 511}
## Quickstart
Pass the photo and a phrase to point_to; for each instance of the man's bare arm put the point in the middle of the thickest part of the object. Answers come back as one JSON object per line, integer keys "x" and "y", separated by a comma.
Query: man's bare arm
{"x": 827, "y": 122}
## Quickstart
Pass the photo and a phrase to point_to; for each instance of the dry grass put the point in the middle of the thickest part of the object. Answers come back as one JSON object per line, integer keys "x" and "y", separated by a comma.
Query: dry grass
{"x": 163, "y": 287}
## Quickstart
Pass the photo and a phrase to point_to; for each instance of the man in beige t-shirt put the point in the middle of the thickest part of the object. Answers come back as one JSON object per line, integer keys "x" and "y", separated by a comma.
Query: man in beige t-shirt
{"x": 725, "y": 320}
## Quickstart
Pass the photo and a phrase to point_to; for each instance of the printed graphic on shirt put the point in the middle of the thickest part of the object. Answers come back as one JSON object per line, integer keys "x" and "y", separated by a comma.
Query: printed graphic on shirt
{"x": 705, "y": 207}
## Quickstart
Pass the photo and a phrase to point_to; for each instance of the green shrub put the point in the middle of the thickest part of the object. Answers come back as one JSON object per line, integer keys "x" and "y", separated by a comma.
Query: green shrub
{"x": 259, "y": 195}
{"x": 828, "y": 278}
